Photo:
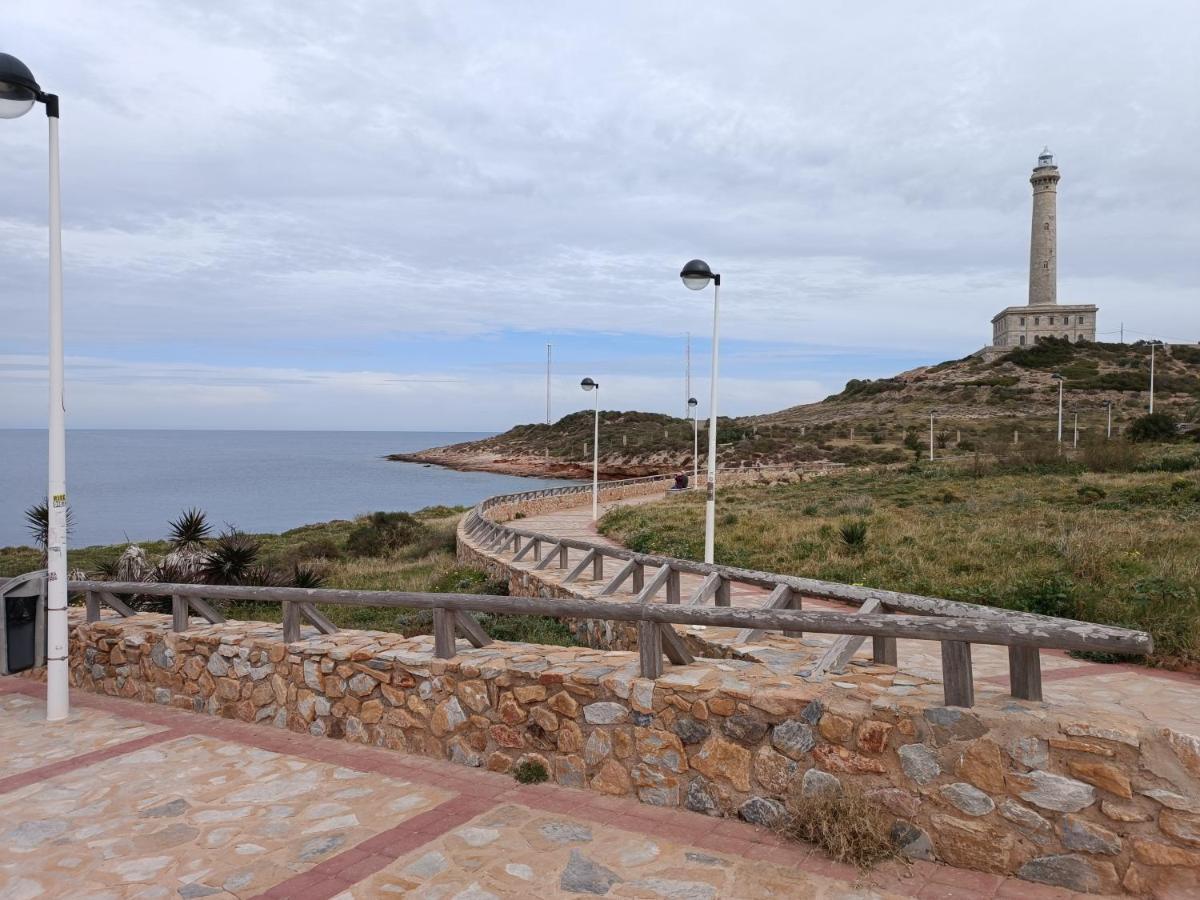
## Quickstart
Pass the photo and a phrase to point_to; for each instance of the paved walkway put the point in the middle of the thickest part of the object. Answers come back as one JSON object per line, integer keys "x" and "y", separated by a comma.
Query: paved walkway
{"x": 1160, "y": 698}
{"x": 124, "y": 799}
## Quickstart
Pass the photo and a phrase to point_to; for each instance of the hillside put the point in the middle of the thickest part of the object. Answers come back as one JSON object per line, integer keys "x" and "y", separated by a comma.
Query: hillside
{"x": 978, "y": 401}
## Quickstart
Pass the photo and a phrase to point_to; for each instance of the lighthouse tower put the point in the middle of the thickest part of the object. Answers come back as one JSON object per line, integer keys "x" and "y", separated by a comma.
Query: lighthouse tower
{"x": 1043, "y": 317}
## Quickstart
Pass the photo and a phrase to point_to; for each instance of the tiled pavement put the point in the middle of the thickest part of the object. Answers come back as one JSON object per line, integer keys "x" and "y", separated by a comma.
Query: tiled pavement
{"x": 132, "y": 800}
{"x": 1169, "y": 699}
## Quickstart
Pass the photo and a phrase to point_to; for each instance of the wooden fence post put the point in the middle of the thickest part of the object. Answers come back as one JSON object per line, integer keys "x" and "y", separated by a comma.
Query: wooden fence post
{"x": 639, "y": 578}
{"x": 883, "y": 650}
{"x": 598, "y": 566}
{"x": 722, "y": 598}
{"x": 650, "y": 649}
{"x": 179, "y": 613}
{"x": 443, "y": 633}
{"x": 93, "y": 606}
{"x": 957, "y": 679}
{"x": 1025, "y": 673}
{"x": 291, "y": 622}
{"x": 673, "y": 586}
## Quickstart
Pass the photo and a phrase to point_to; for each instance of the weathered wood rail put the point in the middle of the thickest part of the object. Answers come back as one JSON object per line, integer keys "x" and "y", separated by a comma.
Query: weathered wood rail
{"x": 881, "y": 615}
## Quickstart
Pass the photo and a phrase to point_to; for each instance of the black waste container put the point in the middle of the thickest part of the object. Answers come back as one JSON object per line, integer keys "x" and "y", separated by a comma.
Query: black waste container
{"x": 22, "y": 611}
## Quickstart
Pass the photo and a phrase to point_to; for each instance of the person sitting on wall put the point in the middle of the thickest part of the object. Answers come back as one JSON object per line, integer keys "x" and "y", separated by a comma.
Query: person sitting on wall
{"x": 681, "y": 482}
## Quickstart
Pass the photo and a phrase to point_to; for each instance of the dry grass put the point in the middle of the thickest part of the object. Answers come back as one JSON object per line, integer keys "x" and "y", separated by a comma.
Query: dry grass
{"x": 845, "y": 824}
{"x": 1121, "y": 548}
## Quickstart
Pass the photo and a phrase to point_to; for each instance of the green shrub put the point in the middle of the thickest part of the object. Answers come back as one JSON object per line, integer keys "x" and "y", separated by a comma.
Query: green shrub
{"x": 853, "y": 534}
{"x": 1110, "y": 456}
{"x": 1153, "y": 427}
{"x": 531, "y": 772}
{"x": 1089, "y": 493}
{"x": 381, "y": 533}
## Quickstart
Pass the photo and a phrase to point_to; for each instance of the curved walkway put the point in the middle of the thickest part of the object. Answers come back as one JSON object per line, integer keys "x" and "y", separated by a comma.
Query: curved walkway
{"x": 1169, "y": 699}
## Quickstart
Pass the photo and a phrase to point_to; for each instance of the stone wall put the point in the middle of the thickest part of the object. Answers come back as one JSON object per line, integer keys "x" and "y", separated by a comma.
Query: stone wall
{"x": 1074, "y": 800}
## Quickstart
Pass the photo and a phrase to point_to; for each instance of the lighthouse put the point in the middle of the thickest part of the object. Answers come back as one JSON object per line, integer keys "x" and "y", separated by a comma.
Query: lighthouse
{"x": 1043, "y": 316}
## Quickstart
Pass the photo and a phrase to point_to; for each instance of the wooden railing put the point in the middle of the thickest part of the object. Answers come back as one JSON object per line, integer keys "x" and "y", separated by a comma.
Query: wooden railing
{"x": 884, "y": 616}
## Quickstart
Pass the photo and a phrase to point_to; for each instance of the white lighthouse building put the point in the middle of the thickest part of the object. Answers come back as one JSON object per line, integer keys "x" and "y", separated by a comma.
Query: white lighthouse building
{"x": 1043, "y": 316}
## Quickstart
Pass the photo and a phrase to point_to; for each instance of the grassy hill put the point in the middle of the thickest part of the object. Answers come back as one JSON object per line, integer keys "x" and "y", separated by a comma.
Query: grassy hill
{"x": 979, "y": 403}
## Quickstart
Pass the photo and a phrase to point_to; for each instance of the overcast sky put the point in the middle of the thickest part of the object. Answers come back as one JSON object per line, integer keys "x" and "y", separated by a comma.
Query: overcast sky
{"x": 376, "y": 214}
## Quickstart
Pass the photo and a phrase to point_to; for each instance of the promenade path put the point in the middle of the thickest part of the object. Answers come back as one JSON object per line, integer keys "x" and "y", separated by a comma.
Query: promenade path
{"x": 1161, "y": 698}
{"x": 130, "y": 800}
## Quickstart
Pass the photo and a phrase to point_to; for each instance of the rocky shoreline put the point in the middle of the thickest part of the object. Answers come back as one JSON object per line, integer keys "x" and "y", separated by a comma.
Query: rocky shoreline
{"x": 525, "y": 465}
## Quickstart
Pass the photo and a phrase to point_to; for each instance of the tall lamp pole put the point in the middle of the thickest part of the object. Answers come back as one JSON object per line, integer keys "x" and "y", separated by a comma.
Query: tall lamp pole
{"x": 1153, "y": 344}
{"x": 547, "y": 384}
{"x": 1108, "y": 406}
{"x": 931, "y": 435}
{"x": 692, "y": 404}
{"x": 1060, "y": 379}
{"x": 696, "y": 275}
{"x": 18, "y": 92}
{"x": 588, "y": 385}
{"x": 1075, "y": 436}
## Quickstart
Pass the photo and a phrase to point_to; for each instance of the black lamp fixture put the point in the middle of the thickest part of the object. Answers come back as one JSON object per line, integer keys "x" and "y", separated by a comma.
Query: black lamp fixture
{"x": 588, "y": 385}
{"x": 696, "y": 275}
{"x": 19, "y": 90}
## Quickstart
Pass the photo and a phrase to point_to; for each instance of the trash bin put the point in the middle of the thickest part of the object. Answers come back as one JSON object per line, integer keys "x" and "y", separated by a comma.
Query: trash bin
{"x": 23, "y": 614}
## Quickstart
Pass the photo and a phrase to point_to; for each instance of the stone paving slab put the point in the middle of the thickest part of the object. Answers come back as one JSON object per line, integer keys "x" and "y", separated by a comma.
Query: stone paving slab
{"x": 1169, "y": 699}
{"x": 201, "y": 806}
{"x": 27, "y": 742}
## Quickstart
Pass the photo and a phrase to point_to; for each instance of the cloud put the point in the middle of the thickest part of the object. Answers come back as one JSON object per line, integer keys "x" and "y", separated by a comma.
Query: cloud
{"x": 262, "y": 179}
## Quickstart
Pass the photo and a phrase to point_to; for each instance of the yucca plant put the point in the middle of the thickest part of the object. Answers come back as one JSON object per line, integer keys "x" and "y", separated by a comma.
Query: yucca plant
{"x": 230, "y": 558}
{"x": 259, "y": 575}
{"x": 190, "y": 530}
{"x": 854, "y": 534}
{"x": 307, "y": 576}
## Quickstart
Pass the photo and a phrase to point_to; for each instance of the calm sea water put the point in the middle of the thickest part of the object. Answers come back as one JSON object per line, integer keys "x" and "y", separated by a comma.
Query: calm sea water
{"x": 130, "y": 483}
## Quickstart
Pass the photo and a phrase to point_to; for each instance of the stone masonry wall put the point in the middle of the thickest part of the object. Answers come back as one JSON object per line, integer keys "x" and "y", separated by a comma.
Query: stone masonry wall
{"x": 1091, "y": 804}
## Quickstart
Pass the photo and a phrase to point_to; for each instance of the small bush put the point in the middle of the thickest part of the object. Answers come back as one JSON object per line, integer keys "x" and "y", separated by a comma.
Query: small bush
{"x": 1110, "y": 456}
{"x": 1089, "y": 493}
{"x": 853, "y": 534}
{"x": 530, "y": 772}
{"x": 845, "y": 824}
{"x": 1153, "y": 427}
{"x": 382, "y": 532}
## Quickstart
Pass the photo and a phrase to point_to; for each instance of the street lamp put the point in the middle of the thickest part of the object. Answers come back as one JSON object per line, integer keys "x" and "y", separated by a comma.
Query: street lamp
{"x": 18, "y": 92}
{"x": 1060, "y": 379}
{"x": 692, "y": 404}
{"x": 931, "y": 435}
{"x": 1075, "y": 437}
{"x": 588, "y": 385}
{"x": 1108, "y": 406}
{"x": 1153, "y": 344}
{"x": 696, "y": 275}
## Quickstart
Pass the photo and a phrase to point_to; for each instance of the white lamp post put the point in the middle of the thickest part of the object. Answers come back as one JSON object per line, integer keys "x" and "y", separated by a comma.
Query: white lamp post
{"x": 931, "y": 435}
{"x": 1075, "y": 437}
{"x": 1108, "y": 406}
{"x": 692, "y": 404}
{"x": 696, "y": 275}
{"x": 1060, "y": 379}
{"x": 18, "y": 92}
{"x": 588, "y": 385}
{"x": 1153, "y": 344}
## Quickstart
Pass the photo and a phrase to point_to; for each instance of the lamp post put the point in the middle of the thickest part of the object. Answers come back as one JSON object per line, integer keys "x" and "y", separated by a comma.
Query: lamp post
{"x": 696, "y": 275}
{"x": 588, "y": 385}
{"x": 692, "y": 404}
{"x": 1075, "y": 436}
{"x": 18, "y": 92}
{"x": 1153, "y": 344}
{"x": 931, "y": 414}
{"x": 1060, "y": 379}
{"x": 1108, "y": 433}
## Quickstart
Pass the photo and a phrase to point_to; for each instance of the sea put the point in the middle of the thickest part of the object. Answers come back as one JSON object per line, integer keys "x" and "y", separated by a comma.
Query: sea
{"x": 127, "y": 485}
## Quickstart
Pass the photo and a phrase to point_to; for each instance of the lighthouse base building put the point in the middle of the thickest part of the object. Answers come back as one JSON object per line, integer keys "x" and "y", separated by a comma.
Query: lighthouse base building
{"x": 1043, "y": 317}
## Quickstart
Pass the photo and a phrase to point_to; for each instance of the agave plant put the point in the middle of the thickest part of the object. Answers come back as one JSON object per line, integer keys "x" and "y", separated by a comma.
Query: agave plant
{"x": 307, "y": 576}
{"x": 132, "y": 565}
{"x": 37, "y": 523}
{"x": 263, "y": 576}
{"x": 190, "y": 530}
{"x": 232, "y": 555}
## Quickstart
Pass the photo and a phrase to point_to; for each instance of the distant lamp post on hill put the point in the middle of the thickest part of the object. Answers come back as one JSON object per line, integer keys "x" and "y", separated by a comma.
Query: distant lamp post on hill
{"x": 692, "y": 404}
{"x": 1108, "y": 432}
{"x": 1153, "y": 344}
{"x": 1075, "y": 436}
{"x": 588, "y": 385}
{"x": 18, "y": 92}
{"x": 696, "y": 275}
{"x": 931, "y": 413}
{"x": 1060, "y": 379}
